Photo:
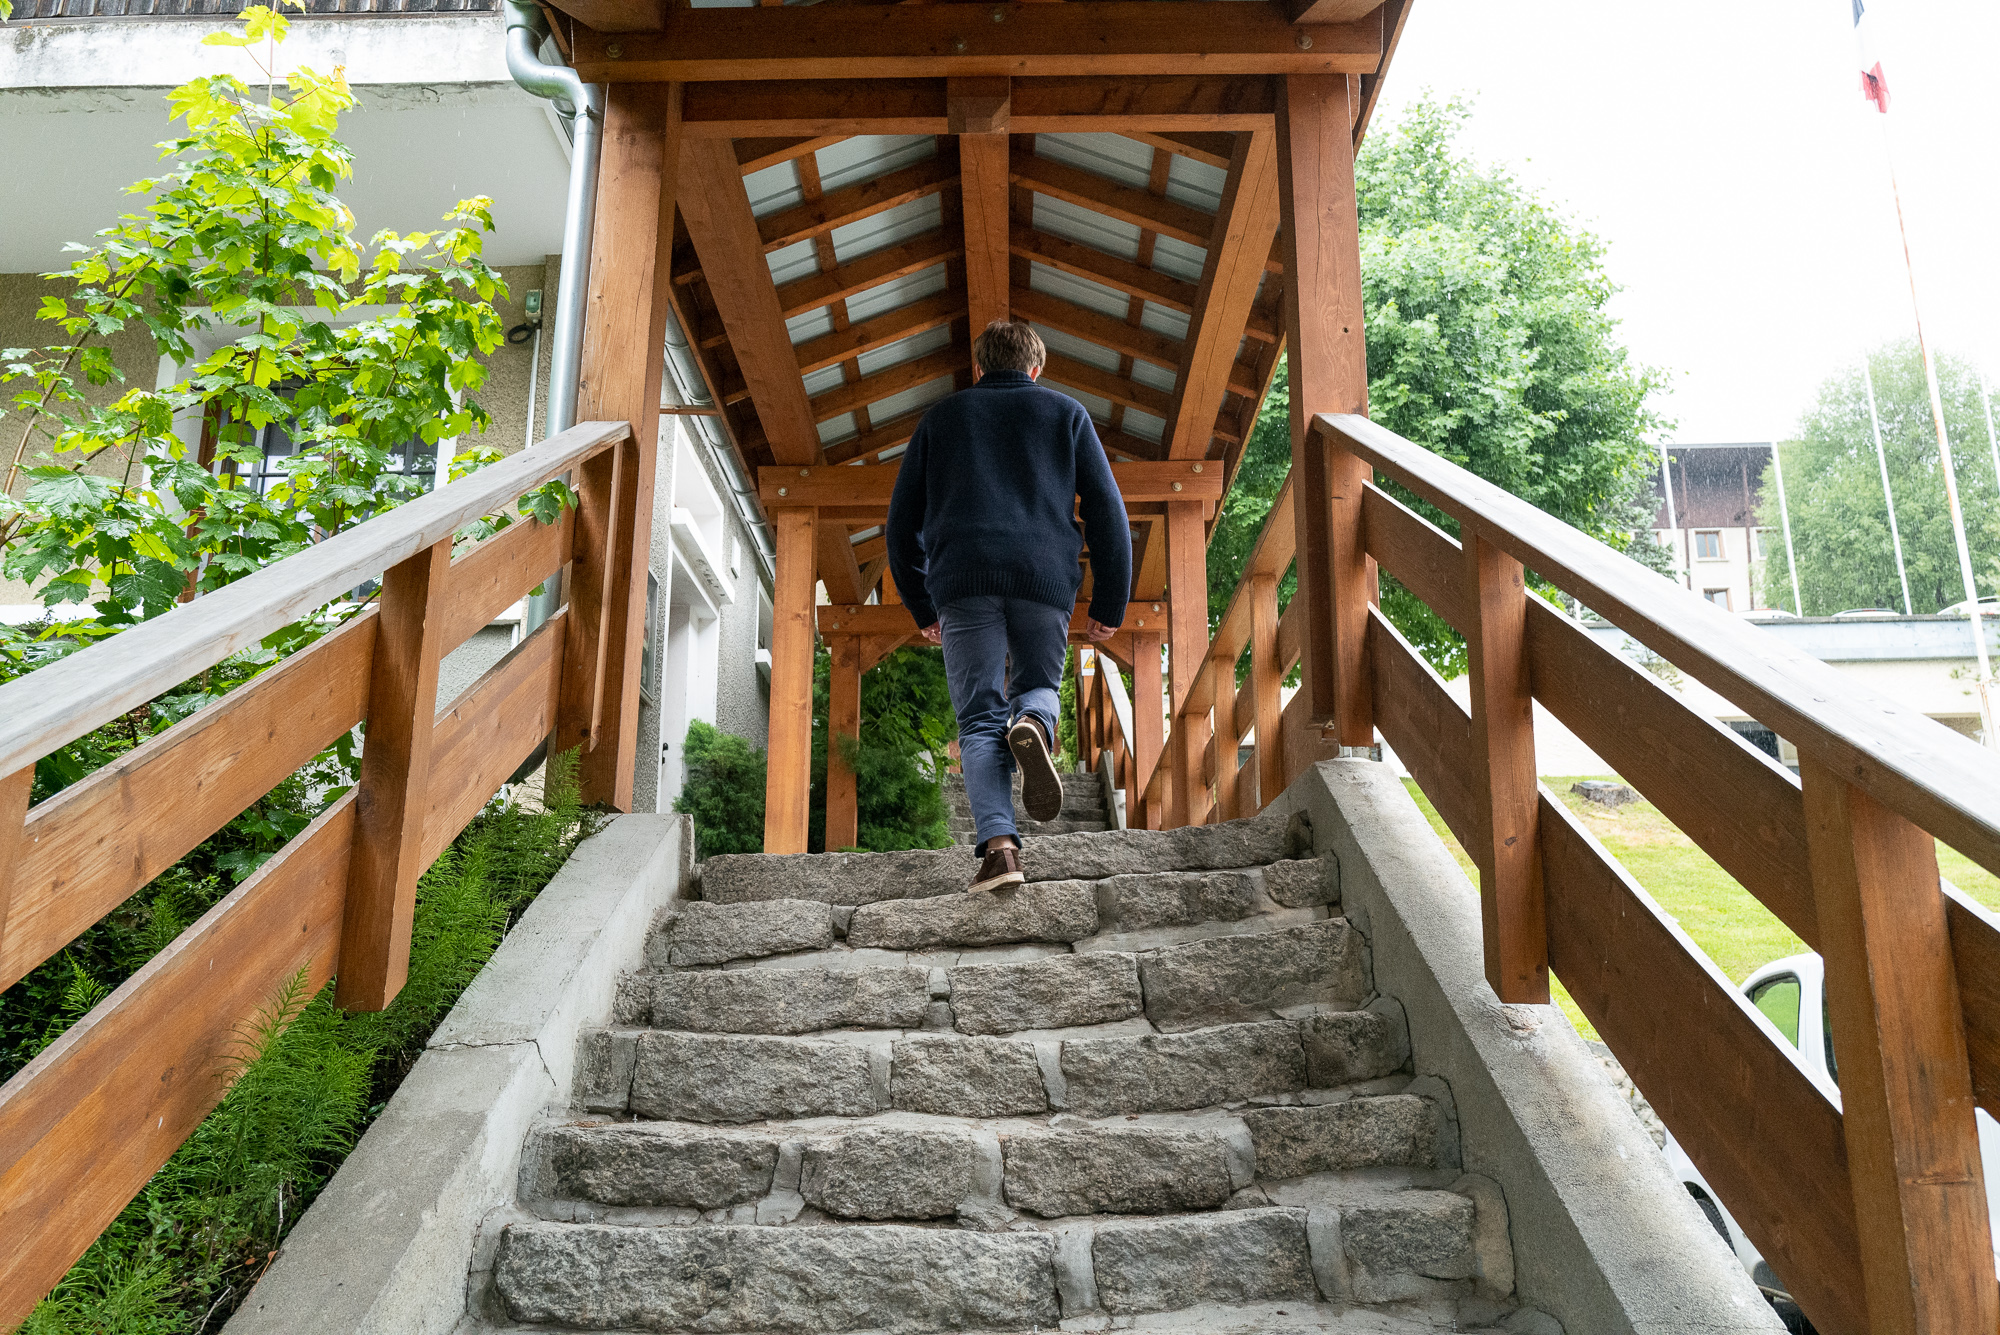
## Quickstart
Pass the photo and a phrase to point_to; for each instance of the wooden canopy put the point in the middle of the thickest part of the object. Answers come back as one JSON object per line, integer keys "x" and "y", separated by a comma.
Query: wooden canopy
{"x": 862, "y": 187}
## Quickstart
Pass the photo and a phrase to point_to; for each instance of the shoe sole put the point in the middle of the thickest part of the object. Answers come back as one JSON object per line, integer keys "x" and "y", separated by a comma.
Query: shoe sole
{"x": 1041, "y": 786}
{"x": 1005, "y": 878}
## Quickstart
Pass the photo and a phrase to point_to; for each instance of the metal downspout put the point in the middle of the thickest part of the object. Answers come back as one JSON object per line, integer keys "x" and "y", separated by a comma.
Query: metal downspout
{"x": 692, "y": 391}
{"x": 581, "y": 107}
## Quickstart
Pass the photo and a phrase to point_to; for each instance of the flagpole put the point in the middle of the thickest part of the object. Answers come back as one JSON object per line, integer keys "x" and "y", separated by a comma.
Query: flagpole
{"x": 1992, "y": 441}
{"x": 1673, "y": 522}
{"x": 1785, "y": 518}
{"x": 1888, "y": 497}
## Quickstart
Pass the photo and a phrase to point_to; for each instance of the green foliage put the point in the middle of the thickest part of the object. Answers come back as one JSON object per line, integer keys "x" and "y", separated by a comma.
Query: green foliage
{"x": 1066, "y": 745}
{"x": 305, "y": 1079}
{"x": 1833, "y": 488}
{"x": 724, "y": 791}
{"x": 140, "y": 501}
{"x": 900, "y": 758}
{"x": 1488, "y": 343}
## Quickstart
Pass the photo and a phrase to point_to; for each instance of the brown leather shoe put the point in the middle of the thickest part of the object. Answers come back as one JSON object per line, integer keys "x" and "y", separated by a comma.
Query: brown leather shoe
{"x": 1041, "y": 785}
{"x": 1001, "y": 868}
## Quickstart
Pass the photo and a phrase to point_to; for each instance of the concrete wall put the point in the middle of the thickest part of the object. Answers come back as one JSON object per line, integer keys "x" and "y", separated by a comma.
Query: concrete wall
{"x": 1603, "y": 1236}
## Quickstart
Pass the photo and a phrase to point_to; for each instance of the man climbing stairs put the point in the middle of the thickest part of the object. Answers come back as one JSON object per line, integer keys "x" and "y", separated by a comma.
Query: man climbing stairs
{"x": 846, "y": 1095}
{"x": 1084, "y": 809}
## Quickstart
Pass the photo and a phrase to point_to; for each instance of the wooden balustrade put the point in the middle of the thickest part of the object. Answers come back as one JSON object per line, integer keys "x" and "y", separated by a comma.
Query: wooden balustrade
{"x": 84, "y": 1125}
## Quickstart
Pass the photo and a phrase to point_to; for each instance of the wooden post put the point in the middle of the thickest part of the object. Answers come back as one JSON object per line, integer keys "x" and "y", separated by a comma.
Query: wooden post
{"x": 1905, "y": 1089}
{"x": 843, "y": 721}
{"x": 624, "y": 330}
{"x": 1187, "y": 627}
{"x": 976, "y": 110}
{"x": 592, "y": 588}
{"x": 394, "y": 793}
{"x": 1226, "y": 737}
{"x": 788, "y": 772}
{"x": 14, "y": 790}
{"x": 1146, "y": 730}
{"x": 1329, "y": 374}
{"x": 1503, "y": 765}
{"x": 1266, "y": 688}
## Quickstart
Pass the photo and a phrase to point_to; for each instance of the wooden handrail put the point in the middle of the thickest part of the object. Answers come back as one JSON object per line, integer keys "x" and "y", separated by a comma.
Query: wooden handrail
{"x": 61, "y": 702}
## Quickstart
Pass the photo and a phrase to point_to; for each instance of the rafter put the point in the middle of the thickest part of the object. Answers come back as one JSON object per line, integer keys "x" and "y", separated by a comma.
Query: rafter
{"x": 978, "y": 110}
{"x": 880, "y": 331}
{"x": 1111, "y": 271}
{"x": 852, "y": 203}
{"x": 1107, "y": 331}
{"x": 1211, "y": 148}
{"x": 894, "y": 380}
{"x": 754, "y": 155}
{"x": 1244, "y": 228}
{"x": 1107, "y": 385}
{"x": 869, "y": 444}
{"x": 1059, "y": 180}
{"x": 871, "y": 270}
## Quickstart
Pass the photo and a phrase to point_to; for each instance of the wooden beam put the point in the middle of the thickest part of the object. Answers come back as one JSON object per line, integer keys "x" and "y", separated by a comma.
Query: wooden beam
{"x": 1329, "y": 365}
{"x": 1109, "y": 37}
{"x": 1267, "y": 677}
{"x": 814, "y": 108}
{"x": 923, "y": 314}
{"x": 1230, "y": 277}
{"x": 843, "y": 399}
{"x": 865, "y": 199}
{"x": 1148, "y": 727}
{"x": 1106, "y": 385}
{"x": 1906, "y": 1093}
{"x": 857, "y": 485}
{"x": 1107, "y": 270}
{"x": 1329, "y": 11}
{"x": 754, "y": 155}
{"x": 978, "y": 114}
{"x": 1395, "y": 14}
{"x": 846, "y": 620}
{"x": 395, "y": 779}
{"x": 1187, "y": 596}
{"x": 625, "y": 325}
{"x": 1210, "y": 148}
{"x": 843, "y": 723}
{"x": 871, "y": 270}
{"x": 1059, "y": 180}
{"x": 885, "y": 436}
{"x": 14, "y": 790}
{"x": 726, "y": 237}
{"x": 788, "y": 769}
{"x": 1107, "y": 331}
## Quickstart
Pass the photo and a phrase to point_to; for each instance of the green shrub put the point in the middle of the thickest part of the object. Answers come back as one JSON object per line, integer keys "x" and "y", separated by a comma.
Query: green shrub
{"x": 724, "y": 791}
{"x": 899, "y": 760}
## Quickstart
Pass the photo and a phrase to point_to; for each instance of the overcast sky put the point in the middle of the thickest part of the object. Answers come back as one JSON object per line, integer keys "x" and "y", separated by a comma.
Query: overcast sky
{"x": 1723, "y": 150}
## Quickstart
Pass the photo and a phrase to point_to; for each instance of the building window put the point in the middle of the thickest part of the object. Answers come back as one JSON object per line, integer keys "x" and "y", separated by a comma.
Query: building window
{"x": 1708, "y": 545}
{"x": 275, "y": 445}
{"x": 1760, "y": 543}
{"x": 1720, "y": 597}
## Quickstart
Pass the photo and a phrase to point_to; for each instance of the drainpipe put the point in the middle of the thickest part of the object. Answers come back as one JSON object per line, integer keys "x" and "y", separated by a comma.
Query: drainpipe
{"x": 692, "y": 391}
{"x": 581, "y": 107}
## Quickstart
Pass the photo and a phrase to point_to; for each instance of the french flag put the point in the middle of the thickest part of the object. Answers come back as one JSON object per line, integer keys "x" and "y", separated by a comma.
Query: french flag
{"x": 1874, "y": 86}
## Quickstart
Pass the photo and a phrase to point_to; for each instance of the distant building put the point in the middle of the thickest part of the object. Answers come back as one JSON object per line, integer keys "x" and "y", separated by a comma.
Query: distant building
{"x": 1708, "y": 520}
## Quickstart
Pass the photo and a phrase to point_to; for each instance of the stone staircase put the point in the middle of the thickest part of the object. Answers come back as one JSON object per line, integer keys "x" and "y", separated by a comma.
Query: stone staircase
{"x": 1084, "y": 810}
{"x": 1152, "y": 1088}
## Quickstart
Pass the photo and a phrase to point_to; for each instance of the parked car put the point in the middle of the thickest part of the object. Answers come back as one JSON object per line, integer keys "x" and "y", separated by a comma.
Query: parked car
{"x": 1989, "y": 606}
{"x": 1791, "y": 994}
{"x": 1868, "y": 612}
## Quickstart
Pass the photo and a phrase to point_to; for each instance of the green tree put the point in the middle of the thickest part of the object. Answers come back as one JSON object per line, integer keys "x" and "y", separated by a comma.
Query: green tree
{"x": 1833, "y": 489}
{"x": 1488, "y": 343}
{"x": 724, "y": 791}
{"x": 899, "y": 759}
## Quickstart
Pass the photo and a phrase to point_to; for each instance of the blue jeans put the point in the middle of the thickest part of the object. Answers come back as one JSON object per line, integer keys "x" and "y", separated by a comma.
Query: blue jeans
{"x": 1003, "y": 658}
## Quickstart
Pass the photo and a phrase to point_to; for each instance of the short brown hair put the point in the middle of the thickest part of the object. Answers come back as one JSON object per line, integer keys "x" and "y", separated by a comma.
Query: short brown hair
{"x": 1009, "y": 345}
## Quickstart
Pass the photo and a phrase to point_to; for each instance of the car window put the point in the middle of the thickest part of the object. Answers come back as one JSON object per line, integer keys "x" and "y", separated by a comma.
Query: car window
{"x": 1778, "y": 998}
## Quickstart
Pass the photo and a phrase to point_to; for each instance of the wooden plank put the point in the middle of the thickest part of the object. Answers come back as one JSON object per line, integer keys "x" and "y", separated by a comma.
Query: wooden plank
{"x": 580, "y": 717}
{"x": 1431, "y": 738}
{"x": 843, "y": 722}
{"x": 15, "y": 789}
{"x": 844, "y": 399}
{"x": 754, "y": 155}
{"x": 1417, "y": 552}
{"x": 1245, "y": 225}
{"x": 1267, "y": 686}
{"x": 871, "y": 270}
{"x": 983, "y": 186}
{"x": 923, "y": 314}
{"x": 717, "y": 212}
{"x": 871, "y": 484}
{"x": 978, "y": 105}
{"x": 1395, "y": 14}
{"x": 1059, "y": 180}
{"x": 95, "y": 843}
{"x": 788, "y": 772}
{"x": 1329, "y": 11}
{"x": 1926, "y": 1250}
{"x": 1148, "y": 730}
{"x": 1109, "y": 37}
{"x": 1714, "y": 1069}
{"x": 68, "y": 698}
{"x": 1110, "y": 385}
{"x": 837, "y": 208}
{"x": 490, "y": 729}
{"x": 1106, "y": 331}
{"x": 1227, "y": 737}
{"x": 882, "y": 436}
{"x": 611, "y": 15}
{"x": 837, "y": 620}
{"x": 395, "y": 780}
{"x": 499, "y": 572}
{"x": 86, "y": 1123}
{"x": 821, "y": 108}
{"x": 1934, "y": 777}
{"x": 1975, "y": 949}
{"x": 1207, "y": 147}
{"x": 1197, "y": 105}
{"x": 1187, "y": 599}
{"x": 1111, "y": 271}
{"x": 1507, "y": 848}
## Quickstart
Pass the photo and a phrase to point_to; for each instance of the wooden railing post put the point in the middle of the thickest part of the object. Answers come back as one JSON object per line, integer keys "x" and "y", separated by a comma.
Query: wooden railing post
{"x": 1267, "y": 679}
{"x": 788, "y": 772}
{"x": 1508, "y": 850}
{"x": 1147, "y": 730}
{"x": 1905, "y": 1088}
{"x": 591, "y": 585}
{"x": 843, "y": 721}
{"x": 14, "y": 790}
{"x": 1187, "y": 625}
{"x": 1226, "y": 736}
{"x": 393, "y": 796}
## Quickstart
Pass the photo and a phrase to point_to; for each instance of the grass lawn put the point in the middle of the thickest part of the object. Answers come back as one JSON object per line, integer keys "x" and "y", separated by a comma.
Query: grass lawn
{"x": 1738, "y": 933}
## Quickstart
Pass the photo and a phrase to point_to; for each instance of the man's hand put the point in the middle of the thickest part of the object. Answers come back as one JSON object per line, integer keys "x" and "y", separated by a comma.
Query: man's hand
{"x": 934, "y": 632}
{"x": 1098, "y": 632}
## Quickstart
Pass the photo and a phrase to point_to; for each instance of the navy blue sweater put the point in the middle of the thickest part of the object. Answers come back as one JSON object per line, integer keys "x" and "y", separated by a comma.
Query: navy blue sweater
{"x": 987, "y": 498}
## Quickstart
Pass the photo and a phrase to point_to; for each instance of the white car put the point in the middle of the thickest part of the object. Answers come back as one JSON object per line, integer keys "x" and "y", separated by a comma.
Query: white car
{"x": 1989, "y": 606}
{"x": 1791, "y": 994}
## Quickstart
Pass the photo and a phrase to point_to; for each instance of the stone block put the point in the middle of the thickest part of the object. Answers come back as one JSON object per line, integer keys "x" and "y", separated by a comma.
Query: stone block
{"x": 734, "y": 1078}
{"x": 890, "y": 1173}
{"x": 966, "y": 1077}
{"x": 1115, "y": 1170}
{"x": 739, "y": 1279}
{"x": 1299, "y": 883}
{"x": 1164, "y": 1072}
{"x": 1426, "y": 1233}
{"x": 837, "y": 878}
{"x": 1343, "y": 1047}
{"x": 1241, "y": 1256}
{"x": 1024, "y": 913}
{"x": 604, "y": 1065}
{"x": 1174, "y": 899}
{"x": 703, "y": 933}
{"x": 1242, "y": 977}
{"x": 1045, "y": 994}
{"x": 1251, "y": 842}
{"x": 641, "y": 1163}
{"x": 1393, "y": 1131}
{"x": 791, "y": 1001}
